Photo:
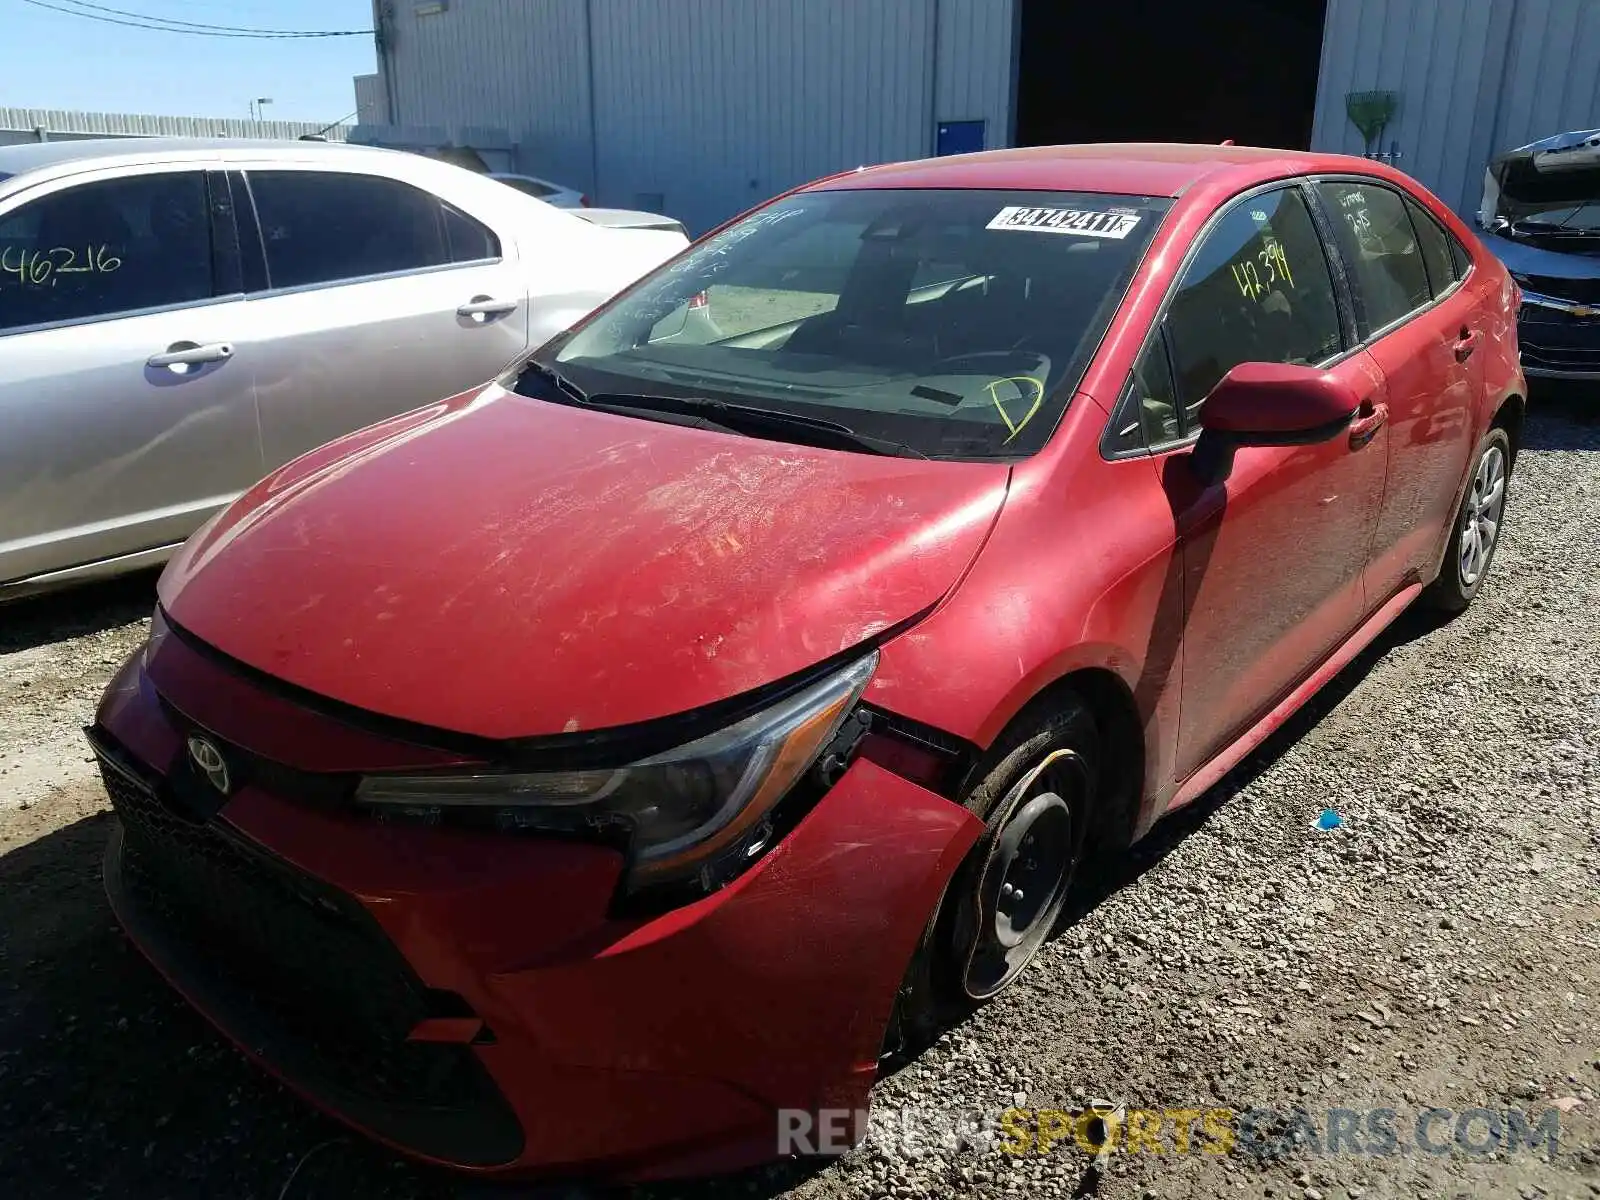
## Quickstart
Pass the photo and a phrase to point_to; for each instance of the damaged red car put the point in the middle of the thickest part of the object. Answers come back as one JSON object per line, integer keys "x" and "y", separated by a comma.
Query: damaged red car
{"x": 578, "y": 774}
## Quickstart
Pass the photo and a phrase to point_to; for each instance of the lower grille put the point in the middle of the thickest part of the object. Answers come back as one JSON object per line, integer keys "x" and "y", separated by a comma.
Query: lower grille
{"x": 301, "y": 974}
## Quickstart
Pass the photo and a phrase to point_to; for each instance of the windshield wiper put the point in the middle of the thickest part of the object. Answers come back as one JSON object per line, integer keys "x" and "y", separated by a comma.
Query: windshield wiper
{"x": 746, "y": 418}
{"x": 1541, "y": 225}
{"x": 557, "y": 380}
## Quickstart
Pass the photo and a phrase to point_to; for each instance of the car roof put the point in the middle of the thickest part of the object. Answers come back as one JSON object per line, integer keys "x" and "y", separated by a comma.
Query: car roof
{"x": 1127, "y": 168}
{"x": 40, "y": 156}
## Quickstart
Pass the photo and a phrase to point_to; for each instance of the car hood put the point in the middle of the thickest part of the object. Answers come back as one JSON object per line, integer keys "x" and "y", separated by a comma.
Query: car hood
{"x": 506, "y": 567}
{"x": 1522, "y": 259}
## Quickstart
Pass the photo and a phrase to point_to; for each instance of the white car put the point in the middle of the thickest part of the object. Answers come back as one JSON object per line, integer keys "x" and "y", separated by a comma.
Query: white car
{"x": 543, "y": 189}
{"x": 178, "y": 318}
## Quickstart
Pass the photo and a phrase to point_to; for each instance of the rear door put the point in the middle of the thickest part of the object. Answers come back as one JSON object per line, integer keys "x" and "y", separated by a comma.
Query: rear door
{"x": 369, "y": 296}
{"x": 1422, "y": 329}
{"x": 125, "y": 418}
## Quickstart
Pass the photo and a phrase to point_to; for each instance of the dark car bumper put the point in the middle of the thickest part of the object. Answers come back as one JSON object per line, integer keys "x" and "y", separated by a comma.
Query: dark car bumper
{"x": 1560, "y": 338}
{"x": 465, "y": 996}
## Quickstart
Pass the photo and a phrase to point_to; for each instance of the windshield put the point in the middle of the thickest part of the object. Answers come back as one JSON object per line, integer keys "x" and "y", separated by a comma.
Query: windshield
{"x": 956, "y": 323}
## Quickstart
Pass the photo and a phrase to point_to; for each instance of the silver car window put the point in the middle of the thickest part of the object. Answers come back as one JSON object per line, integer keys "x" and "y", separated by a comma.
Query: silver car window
{"x": 322, "y": 227}
{"x": 107, "y": 247}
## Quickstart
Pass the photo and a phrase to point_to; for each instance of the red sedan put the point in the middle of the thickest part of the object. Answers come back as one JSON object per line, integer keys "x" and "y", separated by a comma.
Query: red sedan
{"x": 590, "y": 772}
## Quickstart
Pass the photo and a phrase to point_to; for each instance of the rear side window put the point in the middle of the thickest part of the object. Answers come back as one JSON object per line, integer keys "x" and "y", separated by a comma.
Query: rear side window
{"x": 1435, "y": 245}
{"x": 328, "y": 227}
{"x": 104, "y": 248}
{"x": 466, "y": 240}
{"x": 1380, "y": 247}
{"x": 1258, "y": 290}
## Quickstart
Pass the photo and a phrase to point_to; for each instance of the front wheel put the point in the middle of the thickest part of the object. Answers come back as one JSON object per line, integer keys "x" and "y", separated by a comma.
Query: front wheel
{"x": 1035, "y": 798}
{"x": 1476, "y": 531}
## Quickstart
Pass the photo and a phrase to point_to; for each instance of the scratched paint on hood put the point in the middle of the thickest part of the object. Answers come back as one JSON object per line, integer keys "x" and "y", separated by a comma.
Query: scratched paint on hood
{"x": 509, "y": 568}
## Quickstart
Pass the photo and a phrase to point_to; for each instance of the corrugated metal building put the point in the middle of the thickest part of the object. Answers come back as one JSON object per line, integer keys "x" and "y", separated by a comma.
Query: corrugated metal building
{"x": 1474, "y": 77}
{"x": 703, "y": 107}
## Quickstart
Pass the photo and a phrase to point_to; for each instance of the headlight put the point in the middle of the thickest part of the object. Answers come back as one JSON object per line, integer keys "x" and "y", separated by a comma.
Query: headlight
{"x": 683, "y": 812}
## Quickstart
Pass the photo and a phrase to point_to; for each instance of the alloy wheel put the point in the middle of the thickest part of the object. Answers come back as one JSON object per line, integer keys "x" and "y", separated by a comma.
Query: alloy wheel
{"x": 1481, "y": 518}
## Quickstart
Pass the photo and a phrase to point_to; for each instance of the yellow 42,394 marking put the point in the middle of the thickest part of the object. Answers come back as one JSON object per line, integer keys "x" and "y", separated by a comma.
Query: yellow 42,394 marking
{"x": 1255, "y": 282}
{"x": 40, "y": 268}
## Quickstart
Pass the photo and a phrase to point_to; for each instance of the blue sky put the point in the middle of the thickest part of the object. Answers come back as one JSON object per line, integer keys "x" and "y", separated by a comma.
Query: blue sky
{"x": 52, "y": 60}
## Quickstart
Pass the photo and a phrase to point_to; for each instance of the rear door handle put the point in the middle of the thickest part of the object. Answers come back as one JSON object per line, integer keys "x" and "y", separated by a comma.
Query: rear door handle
{"x": 1369, "y": 419}
{"x": 481, "y": 308}
{"x": 1466, "y": 344}
{"x": 189, "y": 354}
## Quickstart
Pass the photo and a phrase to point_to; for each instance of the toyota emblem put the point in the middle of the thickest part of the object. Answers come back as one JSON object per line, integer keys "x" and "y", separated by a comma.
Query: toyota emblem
{"x": 211, "y": 763}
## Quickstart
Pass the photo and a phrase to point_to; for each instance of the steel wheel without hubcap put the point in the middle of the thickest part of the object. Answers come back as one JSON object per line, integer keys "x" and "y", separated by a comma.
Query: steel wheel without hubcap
{"x": 1026, "y": 873}
{"x": 1481, "y": 518}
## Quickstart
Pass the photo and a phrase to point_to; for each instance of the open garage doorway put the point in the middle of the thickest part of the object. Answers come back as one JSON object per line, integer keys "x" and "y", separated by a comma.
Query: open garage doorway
{"x": 1169, "y": 71}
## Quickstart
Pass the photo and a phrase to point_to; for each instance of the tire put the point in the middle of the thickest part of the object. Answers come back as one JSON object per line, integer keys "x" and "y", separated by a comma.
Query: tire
{"x": 1034, "y": 790}
{"x": 1475, "y": 532}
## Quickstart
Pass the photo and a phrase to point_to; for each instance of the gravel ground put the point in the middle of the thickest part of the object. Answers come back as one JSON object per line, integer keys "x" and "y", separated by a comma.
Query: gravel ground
{"x": 1440, "y": 949}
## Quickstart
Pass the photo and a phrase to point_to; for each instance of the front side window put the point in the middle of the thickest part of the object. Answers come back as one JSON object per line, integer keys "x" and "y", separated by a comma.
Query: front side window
{"x": 1258, "y": 290}
{"x": 1380, "y": 249}
{"x": 953, "y": 322}
{"x": 104, "y": 248}
{"x": 329, "y": 226}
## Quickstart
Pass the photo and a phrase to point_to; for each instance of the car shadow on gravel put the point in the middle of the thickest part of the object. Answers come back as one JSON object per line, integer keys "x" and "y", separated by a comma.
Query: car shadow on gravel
{"x": 76, "y": 612}
{"x": 1562, "y": 415}
{"x": 111, "y": 1086}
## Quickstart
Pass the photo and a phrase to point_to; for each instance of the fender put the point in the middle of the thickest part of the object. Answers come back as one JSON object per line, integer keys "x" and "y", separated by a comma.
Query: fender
{"x": 1031, "y": 612}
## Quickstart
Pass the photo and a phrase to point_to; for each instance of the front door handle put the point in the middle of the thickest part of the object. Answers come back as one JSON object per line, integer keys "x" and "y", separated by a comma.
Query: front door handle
{"x": 1466, "y": 344}
{"x": 1369, "y": 419}
{"x": 180, "y": 356}
{"x": 481, "y": 308}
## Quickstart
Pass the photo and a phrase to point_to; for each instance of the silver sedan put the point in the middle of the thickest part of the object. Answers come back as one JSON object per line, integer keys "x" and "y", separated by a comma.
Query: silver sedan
{"x": 180, "y": 317}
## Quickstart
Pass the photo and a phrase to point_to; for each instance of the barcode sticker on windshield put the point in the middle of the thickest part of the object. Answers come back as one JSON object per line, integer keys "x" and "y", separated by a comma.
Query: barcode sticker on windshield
{"x": 1067, "y": 220}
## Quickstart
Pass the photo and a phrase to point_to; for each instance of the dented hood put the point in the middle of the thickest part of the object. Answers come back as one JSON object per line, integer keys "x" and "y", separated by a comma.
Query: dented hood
{"x": 506, "y": 567}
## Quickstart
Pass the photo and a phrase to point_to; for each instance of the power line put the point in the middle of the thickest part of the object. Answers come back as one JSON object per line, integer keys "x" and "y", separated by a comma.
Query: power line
{"x": 134, "y": 20}
{"x": 226, "y": 28}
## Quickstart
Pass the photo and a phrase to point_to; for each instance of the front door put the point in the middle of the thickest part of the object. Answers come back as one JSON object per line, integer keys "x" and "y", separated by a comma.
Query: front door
{"x": 1273, "y": 558}
{"x": 125, "y": 420}
{"x": 379, "y": 298}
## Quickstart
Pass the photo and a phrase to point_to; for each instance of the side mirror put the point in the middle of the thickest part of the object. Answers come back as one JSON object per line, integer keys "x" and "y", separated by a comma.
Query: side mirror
{"x": 1269, "y": 404}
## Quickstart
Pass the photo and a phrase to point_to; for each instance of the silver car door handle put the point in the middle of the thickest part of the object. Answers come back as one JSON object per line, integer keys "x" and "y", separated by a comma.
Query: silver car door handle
{"x": 481, "y": 308}
{"x": 187, "y": 354}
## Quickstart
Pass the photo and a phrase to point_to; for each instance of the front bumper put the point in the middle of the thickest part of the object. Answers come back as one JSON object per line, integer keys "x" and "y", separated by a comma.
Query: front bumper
{"x": 1560, "y": 338}
{"x": 466, "y": 998}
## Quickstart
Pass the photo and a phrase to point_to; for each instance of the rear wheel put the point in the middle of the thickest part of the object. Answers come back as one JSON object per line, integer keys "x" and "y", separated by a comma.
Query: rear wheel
{"x": 1476, "y": 531}
{"x": 1035, "y": 798}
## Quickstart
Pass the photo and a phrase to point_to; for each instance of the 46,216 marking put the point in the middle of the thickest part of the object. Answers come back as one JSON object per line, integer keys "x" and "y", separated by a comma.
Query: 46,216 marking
{"x": 41, "y": 267}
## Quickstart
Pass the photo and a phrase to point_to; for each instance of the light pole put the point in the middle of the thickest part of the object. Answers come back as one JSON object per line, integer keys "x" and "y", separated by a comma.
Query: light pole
{"x": 258, "y": 105}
